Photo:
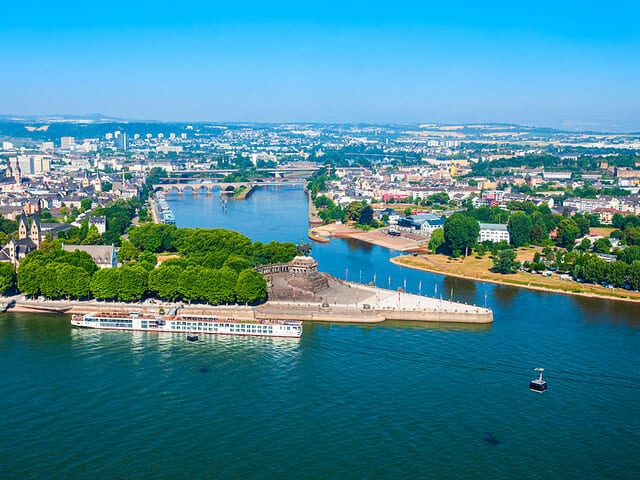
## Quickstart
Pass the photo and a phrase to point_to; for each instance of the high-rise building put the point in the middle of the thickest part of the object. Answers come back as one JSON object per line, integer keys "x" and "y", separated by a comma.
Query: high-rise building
{"x": 33, "y": 164}
{"x": 121, "y": 141}
{"x": 66, "y": 142}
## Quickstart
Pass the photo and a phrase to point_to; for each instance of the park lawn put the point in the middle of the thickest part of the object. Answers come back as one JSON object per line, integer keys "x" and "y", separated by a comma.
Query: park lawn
{"x": 478, "y": 269}
{"x": 601, "y": 231}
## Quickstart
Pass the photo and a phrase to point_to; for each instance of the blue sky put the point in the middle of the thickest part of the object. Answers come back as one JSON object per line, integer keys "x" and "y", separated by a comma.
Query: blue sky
{"x": 575, "y": 65}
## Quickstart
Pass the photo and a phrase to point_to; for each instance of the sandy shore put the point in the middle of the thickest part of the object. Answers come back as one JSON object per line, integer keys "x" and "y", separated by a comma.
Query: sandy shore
{"x": 404, "y": 243}
{"x": 426, "y": 265}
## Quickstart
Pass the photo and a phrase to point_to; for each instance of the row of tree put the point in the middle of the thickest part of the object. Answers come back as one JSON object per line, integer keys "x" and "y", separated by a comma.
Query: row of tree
{"x": 59, "y": 274}
{"x": 172, "y": 282}
{"x": 592, "y": 269}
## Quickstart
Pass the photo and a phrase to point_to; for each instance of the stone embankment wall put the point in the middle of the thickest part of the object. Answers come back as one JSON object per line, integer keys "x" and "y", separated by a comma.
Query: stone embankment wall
{"x": 436, "y": 316}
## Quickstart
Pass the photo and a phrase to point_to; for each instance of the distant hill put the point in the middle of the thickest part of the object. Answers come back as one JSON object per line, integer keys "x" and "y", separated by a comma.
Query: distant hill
{"x": 91, "y": 117}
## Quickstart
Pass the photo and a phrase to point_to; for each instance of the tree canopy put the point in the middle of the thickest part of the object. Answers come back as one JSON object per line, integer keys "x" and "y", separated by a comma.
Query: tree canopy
{"x": 460, "y": 233}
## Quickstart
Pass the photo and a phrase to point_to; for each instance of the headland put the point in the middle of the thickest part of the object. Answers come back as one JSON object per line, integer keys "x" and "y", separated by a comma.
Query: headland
{"x": 405, "y": 243}
{"x": 297, "y": 291}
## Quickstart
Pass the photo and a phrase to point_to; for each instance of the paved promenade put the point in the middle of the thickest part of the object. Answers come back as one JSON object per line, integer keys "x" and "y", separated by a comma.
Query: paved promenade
{"x": 341, "y": 302}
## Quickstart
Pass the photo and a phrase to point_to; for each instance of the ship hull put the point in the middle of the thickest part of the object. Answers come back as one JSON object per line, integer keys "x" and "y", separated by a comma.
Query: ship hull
{"x": 188, "y": 324}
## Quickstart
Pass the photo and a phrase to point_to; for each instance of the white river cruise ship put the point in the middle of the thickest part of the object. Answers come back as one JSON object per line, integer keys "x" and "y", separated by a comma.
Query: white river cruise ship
{"x": 187, "y": 324}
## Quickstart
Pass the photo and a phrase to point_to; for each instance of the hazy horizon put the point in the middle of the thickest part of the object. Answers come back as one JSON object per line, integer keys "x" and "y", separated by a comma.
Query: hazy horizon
{"x": 568, "y": 66}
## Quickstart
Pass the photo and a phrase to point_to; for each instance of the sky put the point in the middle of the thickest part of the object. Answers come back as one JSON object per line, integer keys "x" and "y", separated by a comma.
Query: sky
{"x": 572, "y": 65}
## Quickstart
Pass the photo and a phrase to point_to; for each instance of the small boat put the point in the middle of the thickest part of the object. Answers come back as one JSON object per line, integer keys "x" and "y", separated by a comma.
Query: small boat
{"x": 538, "y": 384}
{"x": 192, "y": 337}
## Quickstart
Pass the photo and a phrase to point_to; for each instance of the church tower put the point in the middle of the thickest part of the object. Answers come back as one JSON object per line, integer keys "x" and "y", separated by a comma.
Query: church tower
{"x": 17, "y": 174}
{"x": 23, "y": 226}
{"x": 35, "y": 233}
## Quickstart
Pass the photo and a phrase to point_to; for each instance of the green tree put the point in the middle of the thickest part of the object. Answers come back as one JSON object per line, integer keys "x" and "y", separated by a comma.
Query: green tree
{"x": 49, "y": 281}
{"x": 592, "y": 269}
{"x": 366, "y": 215}
{"x": 618, "y": 221}
{"x": 460, "y": 233}
{"x": 72, "y": 282}
{"x": 148, "y": 257}
{"x": 630, "y": 254}
{"x": 250, "y": 287}
{"x": 153, "y": 237}
{"x": 189, "y": 284}
{"x": 127, "y": 252}
{"x": 519, "y": 228}
{"x": 7, "y": 277}
{"x": 222, "y": 289}
{"x": 354, "y": 209}
{"x": 583, "y": 223}
{"x": 164, "y": 281}
{"x": 436, "y": 240}
{"x": 585, "y": 245}
{"x": 29, "y": 277}
{"x": 105, "y": 283}
{"x": 617, "y": 273}
{"x": 134, "y": 281}
{"x": 633, "y": 275}
{"x": 506, "y": 262}
{"x": 602, "y": 245}
{"x": 85, "y": 204}
{"x": 632, "y": 235}
{"x": 237, "y": 263}
{"x": 568, "y": 232}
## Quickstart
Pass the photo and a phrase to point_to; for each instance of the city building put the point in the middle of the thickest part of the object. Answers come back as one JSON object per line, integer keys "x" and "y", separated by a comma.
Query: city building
{"x": 105, "y": 256}
{"x": 66, "y": 143}
{"x": 493, "y": 232}
{"x": 99, "y": 222}
{"x": 29, "y": 239}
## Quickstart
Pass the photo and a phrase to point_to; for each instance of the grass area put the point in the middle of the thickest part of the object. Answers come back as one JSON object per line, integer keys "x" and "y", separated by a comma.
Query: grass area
{"x": 601, "y": 231}
{"x": 242, "y": 192}
{"x": 478, "y": 268}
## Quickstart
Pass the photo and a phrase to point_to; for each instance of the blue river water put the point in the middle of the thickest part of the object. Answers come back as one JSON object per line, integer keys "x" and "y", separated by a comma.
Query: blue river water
{"x": 343, "y": 401}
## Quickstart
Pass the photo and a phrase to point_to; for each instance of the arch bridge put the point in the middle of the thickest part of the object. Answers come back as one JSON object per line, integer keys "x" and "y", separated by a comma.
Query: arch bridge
{"x": 205, "y": 188}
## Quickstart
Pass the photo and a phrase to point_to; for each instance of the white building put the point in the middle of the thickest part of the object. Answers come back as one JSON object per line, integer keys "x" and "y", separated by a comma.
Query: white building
{"x": 494, "y": 232}
{"x": 105, "y": 256}
{"x": 99, "y": 222}
{"x": 32, "y": 164}
{"x": 66, "y": 142}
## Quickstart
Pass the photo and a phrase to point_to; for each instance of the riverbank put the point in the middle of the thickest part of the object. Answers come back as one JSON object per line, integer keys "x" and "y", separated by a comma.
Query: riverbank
{"x": 402, "y": 243}
{"x": 339, "y": 302}
{"x": 473, "y": 268}
{"x": 243, "y": 192}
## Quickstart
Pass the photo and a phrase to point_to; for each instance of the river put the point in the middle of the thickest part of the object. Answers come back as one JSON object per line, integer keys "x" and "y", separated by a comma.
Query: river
{"x": 344, "y": 401}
